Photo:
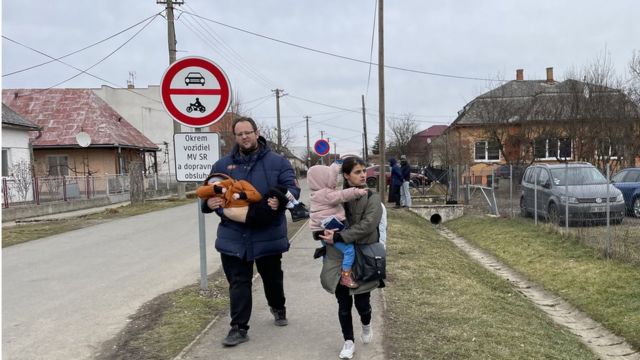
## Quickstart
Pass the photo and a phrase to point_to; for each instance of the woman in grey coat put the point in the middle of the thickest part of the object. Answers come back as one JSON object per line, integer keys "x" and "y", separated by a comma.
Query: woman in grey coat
{"x": 363, "y": 215}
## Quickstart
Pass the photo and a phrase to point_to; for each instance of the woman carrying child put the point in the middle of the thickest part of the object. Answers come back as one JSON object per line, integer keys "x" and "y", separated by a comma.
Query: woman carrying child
{"x": 326, "y": 203}
{"x": 363, "y": 215}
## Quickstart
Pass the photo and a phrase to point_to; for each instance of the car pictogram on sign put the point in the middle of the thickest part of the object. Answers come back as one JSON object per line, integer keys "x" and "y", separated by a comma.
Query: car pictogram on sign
{"x": 195, "y": 92}
{"x": 194, "y": 78}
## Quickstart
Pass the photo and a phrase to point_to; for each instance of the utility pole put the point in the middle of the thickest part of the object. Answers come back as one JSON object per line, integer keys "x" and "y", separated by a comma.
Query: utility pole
{"x": 278, "y": 91}
{"x": 382, "y": 180}
{"x": 364, "y": 132}
{"x": 335, "y": 152}
{"x": 171, "y": 32}
{"x": 322, "y": 137}
{"x": 308, "y": 146}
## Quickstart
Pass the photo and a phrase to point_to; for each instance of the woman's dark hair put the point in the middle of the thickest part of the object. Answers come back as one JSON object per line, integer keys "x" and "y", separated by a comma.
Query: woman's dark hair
{"x": 348, "y": 164}
{"x": 244, "y": 118}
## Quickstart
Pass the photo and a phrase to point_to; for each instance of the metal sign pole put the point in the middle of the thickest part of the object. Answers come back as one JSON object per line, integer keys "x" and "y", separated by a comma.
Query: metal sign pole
{"x": 203, "y": 248}
{"x": 566, "y": 195}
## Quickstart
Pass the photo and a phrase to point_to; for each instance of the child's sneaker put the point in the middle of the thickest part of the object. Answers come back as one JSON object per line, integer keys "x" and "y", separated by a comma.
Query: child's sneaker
{"x": 346, "y": 279}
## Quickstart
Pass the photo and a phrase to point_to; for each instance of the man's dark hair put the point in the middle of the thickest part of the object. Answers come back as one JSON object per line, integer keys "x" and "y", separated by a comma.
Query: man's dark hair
{"x": 243, "y": 118}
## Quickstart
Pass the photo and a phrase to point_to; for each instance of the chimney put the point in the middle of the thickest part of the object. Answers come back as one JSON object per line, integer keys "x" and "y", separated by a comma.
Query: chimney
{"x": 520, "y": 74}
{"x": 550, "y": 75}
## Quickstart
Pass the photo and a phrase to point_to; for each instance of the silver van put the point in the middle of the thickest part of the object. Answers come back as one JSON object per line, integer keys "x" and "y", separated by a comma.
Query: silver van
{"x": 586, "y": 193}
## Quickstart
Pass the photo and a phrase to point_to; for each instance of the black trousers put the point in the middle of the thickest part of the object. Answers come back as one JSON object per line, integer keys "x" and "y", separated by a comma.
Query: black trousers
{"x": 345, "y": 304}
{"x": 394, "y": 194}
{"x": 239, "y": 273}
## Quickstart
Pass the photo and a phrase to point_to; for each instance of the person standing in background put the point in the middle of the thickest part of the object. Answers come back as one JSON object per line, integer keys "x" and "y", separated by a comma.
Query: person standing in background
{"x": 395, "y": 183}
{"x": 405, "y": 169}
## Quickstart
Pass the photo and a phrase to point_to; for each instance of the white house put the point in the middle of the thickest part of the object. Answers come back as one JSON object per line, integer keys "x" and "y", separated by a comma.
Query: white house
{"x": 16, "y": 150}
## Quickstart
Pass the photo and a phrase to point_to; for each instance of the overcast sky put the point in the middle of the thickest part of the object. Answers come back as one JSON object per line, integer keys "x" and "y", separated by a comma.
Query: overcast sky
{"x": 465, "y": 38}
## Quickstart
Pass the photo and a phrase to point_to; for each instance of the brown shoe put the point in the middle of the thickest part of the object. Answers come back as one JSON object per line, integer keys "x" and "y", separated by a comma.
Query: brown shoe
{"x": 346, "y": 279}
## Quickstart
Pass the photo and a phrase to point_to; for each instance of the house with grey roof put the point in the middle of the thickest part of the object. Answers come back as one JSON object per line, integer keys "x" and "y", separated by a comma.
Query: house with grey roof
{"x": 526, "y": 121}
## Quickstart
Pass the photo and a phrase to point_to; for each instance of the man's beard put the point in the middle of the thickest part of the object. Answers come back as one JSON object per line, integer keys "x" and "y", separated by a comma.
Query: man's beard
{"x": 249, "y": 150}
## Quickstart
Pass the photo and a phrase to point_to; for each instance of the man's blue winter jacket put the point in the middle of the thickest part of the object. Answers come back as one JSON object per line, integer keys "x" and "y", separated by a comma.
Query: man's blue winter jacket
{"x": 264, "y": 169}
{"x": 396, "y": 175}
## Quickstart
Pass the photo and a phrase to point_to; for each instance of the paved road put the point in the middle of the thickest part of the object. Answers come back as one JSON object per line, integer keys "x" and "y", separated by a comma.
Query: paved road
{"x": 64, "y": 295}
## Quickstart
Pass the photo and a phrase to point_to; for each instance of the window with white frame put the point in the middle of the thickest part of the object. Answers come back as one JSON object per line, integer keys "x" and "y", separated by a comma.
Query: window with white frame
{"x": 5, "y": 162}
{"x": 614, "y": 150}
{"x": 58, "y": 165}
{"x": 552, "y": 148}
{"x": 487, "y": 150}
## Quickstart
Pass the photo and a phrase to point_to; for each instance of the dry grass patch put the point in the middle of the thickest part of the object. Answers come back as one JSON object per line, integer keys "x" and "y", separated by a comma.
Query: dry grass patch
{"x": 607, "y": 290}
{"x": 442, "y": 305}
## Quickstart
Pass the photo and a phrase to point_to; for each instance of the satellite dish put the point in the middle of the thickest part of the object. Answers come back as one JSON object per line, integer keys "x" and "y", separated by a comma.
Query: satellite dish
{"x": 428, "y": 140}
{"x": 83, "y": 139}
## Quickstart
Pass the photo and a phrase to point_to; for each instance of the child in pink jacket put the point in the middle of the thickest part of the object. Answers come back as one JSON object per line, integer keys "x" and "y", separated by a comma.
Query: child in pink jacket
{"x": 326, "y": 201}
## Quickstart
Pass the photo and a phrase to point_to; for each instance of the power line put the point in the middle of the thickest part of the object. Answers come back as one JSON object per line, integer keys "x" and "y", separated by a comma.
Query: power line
{"x": 82, "y": 49}
{"x": 327, "y": 105}
{"x": 100, "y": 61}
{"x": 342, "y": 56}
{"x": 234, "y": 53}
{"x": 76, "y": 68}
{"x": 201, "y": 34}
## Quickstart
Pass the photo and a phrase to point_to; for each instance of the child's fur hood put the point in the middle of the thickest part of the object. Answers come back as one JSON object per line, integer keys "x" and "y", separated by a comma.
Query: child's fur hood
{"x": 322, "y": 177}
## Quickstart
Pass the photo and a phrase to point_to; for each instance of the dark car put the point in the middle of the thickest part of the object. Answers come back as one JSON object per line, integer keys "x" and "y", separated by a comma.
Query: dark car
{"x": 374, "y": 171}
{"x": 628, "y": 181}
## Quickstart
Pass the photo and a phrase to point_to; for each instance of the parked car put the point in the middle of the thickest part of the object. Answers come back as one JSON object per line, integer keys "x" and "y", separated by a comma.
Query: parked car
{"x": 544, "y": 186}
{"x": 628, "y": 181}
{"x": 374, "y": 171}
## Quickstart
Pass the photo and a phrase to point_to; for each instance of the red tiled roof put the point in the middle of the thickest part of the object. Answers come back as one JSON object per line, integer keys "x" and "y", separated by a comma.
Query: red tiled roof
{"x": 63, "y": 113}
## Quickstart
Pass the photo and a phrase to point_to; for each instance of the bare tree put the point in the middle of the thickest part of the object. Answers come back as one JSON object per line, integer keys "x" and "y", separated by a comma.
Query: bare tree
{"x": 402, "y": 129}
{"x": 633, "y": 87}
{"x": 22, "y": 178}
{"x": 604, "y": 116}
{"x": 271, "y": 134}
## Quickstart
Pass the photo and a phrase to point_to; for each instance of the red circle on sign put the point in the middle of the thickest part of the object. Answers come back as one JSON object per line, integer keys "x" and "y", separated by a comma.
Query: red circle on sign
{"x": 181, "y": 115}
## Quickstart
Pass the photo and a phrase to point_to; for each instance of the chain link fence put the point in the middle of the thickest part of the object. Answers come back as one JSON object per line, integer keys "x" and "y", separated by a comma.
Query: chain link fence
{"x": 598, "y": 220}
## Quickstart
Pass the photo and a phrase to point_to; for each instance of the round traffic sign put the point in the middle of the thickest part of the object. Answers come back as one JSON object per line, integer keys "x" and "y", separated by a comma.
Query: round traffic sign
{"x": 321, "y": 147}
{"x": 195, "y": 91}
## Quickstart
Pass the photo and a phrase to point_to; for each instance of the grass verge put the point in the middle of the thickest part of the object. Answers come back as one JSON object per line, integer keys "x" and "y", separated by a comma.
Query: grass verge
{"x": 163, "y": 327}
{"x": 442, "y": 305}
{"x": 607, "y": 290}
{"x": 24, "y": 232}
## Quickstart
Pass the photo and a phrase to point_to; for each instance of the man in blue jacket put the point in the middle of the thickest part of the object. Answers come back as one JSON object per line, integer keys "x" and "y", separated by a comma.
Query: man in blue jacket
{"x": 239, "y": 244}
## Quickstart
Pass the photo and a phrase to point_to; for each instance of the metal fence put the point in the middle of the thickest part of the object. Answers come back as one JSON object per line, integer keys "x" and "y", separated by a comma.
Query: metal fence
{"x": 598, "y": 228}
{"x": 46, "y": 189}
